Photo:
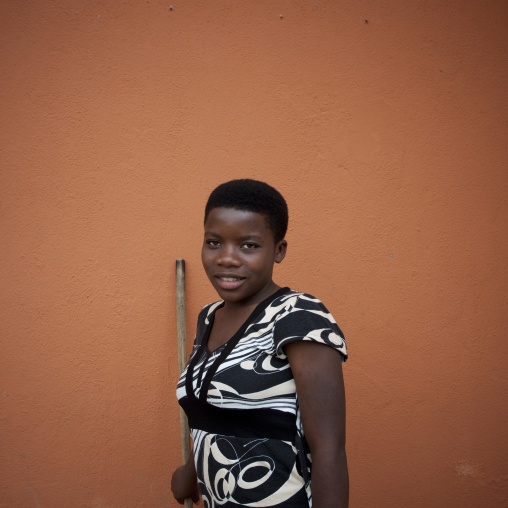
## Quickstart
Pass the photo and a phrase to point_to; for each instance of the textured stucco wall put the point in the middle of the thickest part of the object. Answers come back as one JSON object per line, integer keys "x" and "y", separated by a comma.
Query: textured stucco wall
{"x": 383, "y": 123}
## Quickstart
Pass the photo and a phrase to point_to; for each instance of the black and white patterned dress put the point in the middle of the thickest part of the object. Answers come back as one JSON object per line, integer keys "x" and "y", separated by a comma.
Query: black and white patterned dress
{"x": 242, "y": 406}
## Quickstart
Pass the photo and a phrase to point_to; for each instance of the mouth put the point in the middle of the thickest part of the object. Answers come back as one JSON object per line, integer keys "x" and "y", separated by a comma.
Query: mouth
{"x": 229, "y": 281}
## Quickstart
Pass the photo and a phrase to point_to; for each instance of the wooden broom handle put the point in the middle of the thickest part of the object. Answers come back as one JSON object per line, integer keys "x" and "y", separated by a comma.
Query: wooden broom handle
{"x": 181, "y": 331}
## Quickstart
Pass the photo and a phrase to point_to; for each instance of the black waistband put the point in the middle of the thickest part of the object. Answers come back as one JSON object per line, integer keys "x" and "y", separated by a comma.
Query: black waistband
{"x": 249, "y": 423}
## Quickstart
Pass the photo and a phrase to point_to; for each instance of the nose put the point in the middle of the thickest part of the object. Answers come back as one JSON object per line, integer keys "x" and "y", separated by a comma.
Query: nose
{"x": 228, "y": 256}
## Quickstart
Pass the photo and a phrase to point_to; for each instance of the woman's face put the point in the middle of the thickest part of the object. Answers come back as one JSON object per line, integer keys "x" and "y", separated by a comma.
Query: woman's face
{"x": 238, "y": 255}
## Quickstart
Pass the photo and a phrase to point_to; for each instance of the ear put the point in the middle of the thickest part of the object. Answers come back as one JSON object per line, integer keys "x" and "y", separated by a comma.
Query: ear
{"x": 280, "y": 251}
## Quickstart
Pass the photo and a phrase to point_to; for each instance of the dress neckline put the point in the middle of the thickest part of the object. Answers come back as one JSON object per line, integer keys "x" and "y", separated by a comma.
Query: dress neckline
{"x": 250, "y": 318}
{"x": 227, "y": 347}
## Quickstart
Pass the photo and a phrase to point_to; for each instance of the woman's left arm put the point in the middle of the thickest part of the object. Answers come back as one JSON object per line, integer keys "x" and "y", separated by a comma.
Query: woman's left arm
{"x": 317, "y": 370}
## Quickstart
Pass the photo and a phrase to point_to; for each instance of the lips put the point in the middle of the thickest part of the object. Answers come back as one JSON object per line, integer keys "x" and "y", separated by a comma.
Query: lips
{"x": 229, "y": 281}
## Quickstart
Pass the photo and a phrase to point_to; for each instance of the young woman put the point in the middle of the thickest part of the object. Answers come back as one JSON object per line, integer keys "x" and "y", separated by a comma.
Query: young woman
{"x": 263, "y": 388}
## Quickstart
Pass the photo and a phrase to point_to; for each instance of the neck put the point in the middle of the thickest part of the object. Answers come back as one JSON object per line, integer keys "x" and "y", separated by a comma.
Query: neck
{"x": 249, "y": 306}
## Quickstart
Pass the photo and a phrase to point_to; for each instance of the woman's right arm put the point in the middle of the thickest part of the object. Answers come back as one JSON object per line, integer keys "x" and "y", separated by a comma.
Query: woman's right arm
{"x": 184, "y": 482}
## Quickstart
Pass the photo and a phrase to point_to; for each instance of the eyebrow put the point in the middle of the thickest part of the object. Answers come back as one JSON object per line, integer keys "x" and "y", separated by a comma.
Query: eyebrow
{"x": 242, "y": 238}
{"x": 251, "y": 237}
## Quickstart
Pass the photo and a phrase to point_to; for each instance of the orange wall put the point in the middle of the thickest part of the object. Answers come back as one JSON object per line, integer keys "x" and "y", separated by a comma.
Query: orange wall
{"x": 388, "y": 139}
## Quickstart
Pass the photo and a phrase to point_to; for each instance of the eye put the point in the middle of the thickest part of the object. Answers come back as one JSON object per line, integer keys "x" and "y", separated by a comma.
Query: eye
{"x": 250, "y": 246}
{"x": 213, "y": 243}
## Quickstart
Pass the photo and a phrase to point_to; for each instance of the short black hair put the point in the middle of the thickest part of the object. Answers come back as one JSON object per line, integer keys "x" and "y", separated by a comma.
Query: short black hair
{"x": 252, "y": 196}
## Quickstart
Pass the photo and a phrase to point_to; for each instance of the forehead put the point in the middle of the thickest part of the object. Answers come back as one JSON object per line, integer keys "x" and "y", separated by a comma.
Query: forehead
{"x": 234, "y": 218}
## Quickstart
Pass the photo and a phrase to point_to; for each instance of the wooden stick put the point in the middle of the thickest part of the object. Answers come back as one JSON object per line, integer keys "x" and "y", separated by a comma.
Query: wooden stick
{"x": 181, "y": 331}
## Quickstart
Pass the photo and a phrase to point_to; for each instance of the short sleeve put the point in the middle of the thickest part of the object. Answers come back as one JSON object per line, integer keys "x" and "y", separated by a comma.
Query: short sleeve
{"x": 306, "y": 318}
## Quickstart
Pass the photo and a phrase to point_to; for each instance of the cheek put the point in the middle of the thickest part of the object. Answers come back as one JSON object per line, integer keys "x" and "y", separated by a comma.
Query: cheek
{"x": 262, "y": 265}
{"x": 204, "y": 259}
{"x": 208, "y": 259}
